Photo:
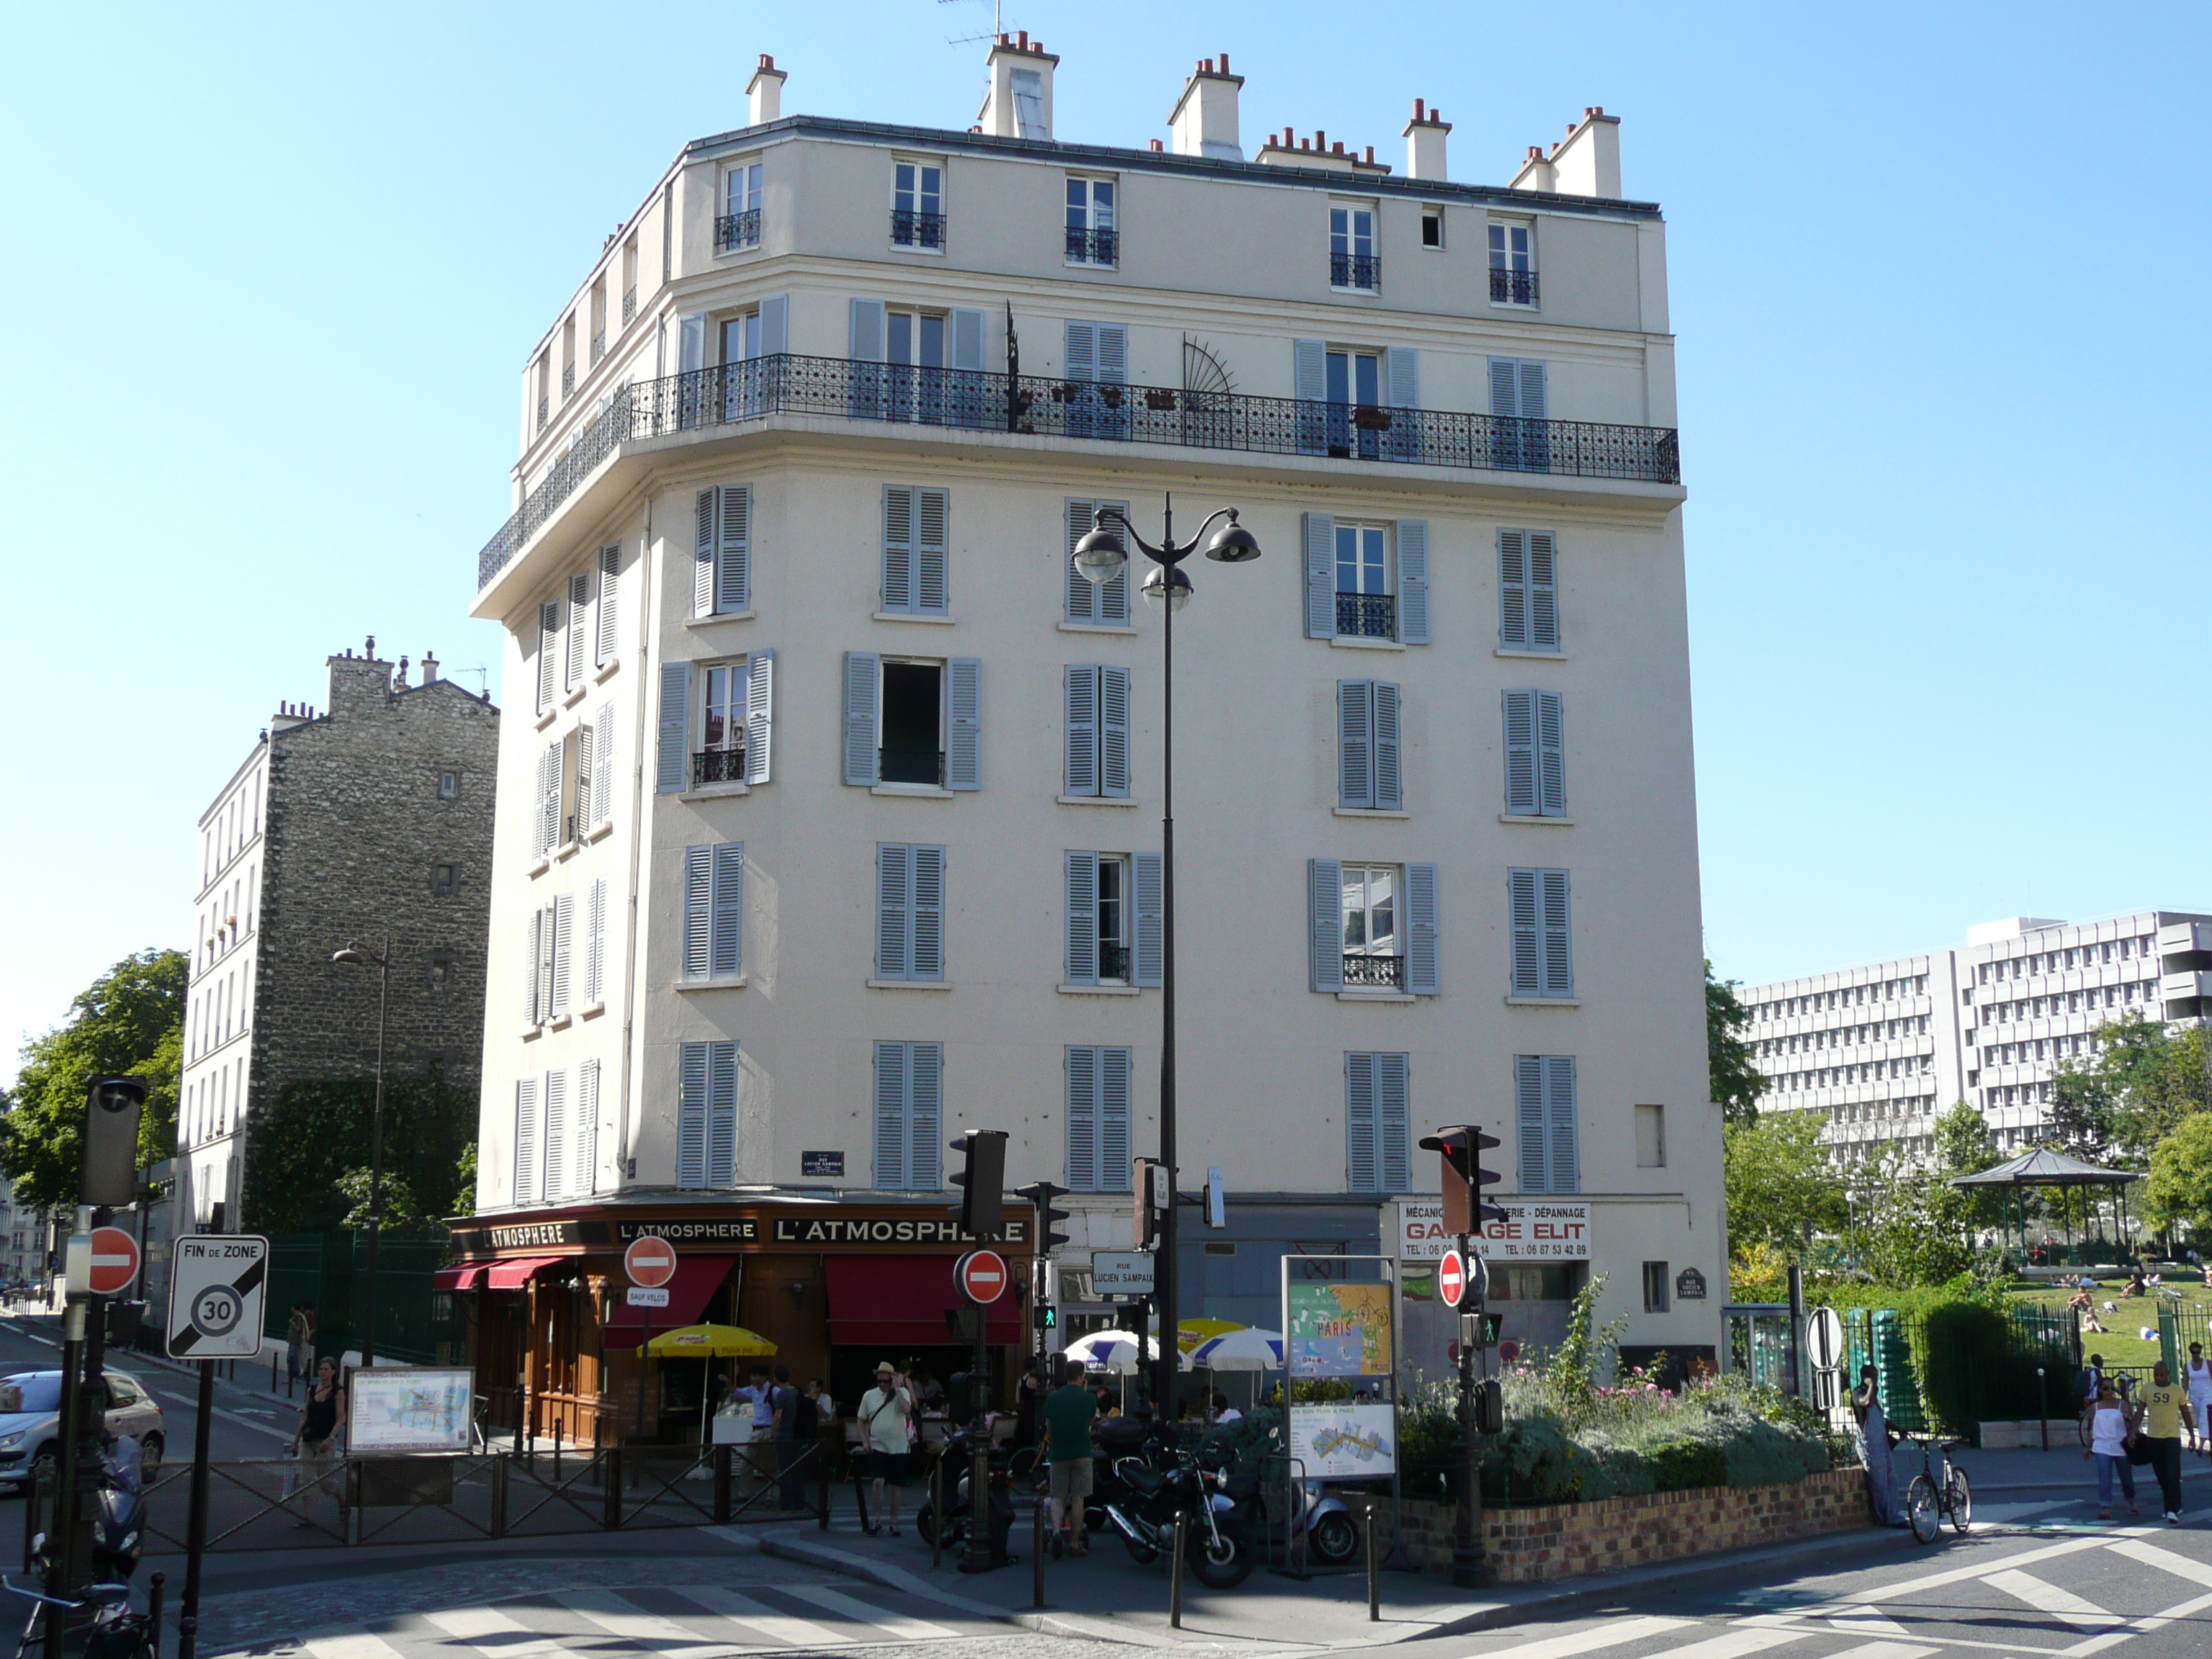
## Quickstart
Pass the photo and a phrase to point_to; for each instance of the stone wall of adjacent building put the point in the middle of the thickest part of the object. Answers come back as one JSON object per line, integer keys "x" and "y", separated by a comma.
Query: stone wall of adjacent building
{"x": 358, "y": 833}
{"x": 1558, "y": 1541}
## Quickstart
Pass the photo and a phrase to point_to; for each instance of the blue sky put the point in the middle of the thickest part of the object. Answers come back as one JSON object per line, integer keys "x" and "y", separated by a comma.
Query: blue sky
{"x": 1938, "y": 277}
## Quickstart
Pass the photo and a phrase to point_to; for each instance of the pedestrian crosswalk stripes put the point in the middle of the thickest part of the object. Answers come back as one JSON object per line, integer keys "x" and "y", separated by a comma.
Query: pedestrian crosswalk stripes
{"x": 2047, "y": 1597}
{"x": 851, "y": 1607}
{"x": 2151, "y": 1555}
{"x": 794, "y": 1632}
{"x": 1619, "y": 1631}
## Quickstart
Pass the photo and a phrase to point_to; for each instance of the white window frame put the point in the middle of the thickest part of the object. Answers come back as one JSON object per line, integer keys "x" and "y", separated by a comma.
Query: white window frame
{"x": 1350, "y": 238}
{"x": 1502, "y": 256}
{"x": 1367, "y": 876}
{"x": 741, "y": 194}
{"x": 915, "y": 193}
{"x": 1094, "y": 216}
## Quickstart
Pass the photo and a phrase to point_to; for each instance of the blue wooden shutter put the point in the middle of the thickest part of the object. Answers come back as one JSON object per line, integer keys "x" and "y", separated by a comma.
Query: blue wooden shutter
{"x": 1423, "y": 964}
{"x": 891, "y": 1170}
{"x": 898, "y": 547}
{"x": 1151, "y": 930}
{"x": 1533, "y": 1140}
{"x": 1520, "y": 796}
{"x": 1543, "y": 590}
{"x": 776, "y": 326}
{"x": 1504, "y": 387}
{"x": 1325, "y": 923}
{"x": 1309, "y": 386}
{"x": 525, "y": 1139}
{"x": 709, "y": 505}
{"x": 672, "y": 762}
{"x": 1082, "y": 351}
{"x": 1082, "y": 1118}
{"x": 1355, "y": 742}
{"x": 564, "y": 942}
{"x": 1114, "y": 1171}
{"x": 1391, "y": 1119}
{"x": 1114, "y": 734}
{"x": 549, "y": 654}
{"x": 1082, "y": 888}
{"x": 1113, "y": 353}
{"x": 1081, "y": 594}
{"x": 859, "y": 722}
{"x": 1559, "y": 1121}
{"x": 721, "y": 1137}
{"x": 729, "y": 910}
{"x": 1531, "y": 390}
{"x": 1513, "y": 589}
{"x": 894, "y": 910}
{"x": 926, "y": 1116}
{"x": 964, "y": 723}
{"x": 698, "y": 912}
{"x": 552, "y": 1159}
{"x": 1528, "y": 933}
{"x": 1550, "y": 755}
{"x": 1559, "y": 959}
{"x": 1389, "y": 792}
{"x": 692, "y": 1116}
{"x": 733, "y": 588}
{"x": 967, "y": 338}
{"x": 865, "y": 334}
{"x": 1320, "y": 543}
{"x": 926, "y": 947}
{"x": 1413, "y": 581}
{"x": 760, "y": 714}
{"x": 1081, "y": 696}
{"x": 1401, "y": 384}
{"x": 609, "y": 588}
{"x": 1359, "y": 1122}
{"x": 932, "y": 531}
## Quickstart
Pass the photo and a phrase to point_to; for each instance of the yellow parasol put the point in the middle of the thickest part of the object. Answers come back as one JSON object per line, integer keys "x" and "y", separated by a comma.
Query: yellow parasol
{"x": 1190, "y": 1332}
{"x": 708, "y": 1342}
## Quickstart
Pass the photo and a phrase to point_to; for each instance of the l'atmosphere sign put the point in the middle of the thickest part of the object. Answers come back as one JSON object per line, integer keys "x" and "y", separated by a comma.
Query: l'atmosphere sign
{"x": 1534, "y": 1229}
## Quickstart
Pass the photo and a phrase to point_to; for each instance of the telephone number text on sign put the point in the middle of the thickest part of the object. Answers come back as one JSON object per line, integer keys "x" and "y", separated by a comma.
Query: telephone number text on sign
{"x": 1534, "y": 1229}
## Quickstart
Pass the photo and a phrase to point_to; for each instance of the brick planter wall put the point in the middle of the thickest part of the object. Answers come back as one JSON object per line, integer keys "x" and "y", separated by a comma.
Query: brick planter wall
{"x": 1559, "y": 1540}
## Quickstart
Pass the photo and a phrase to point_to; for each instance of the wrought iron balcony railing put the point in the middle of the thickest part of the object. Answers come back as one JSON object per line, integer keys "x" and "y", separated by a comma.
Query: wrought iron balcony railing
{"x": 900, "y": 764}
{"x": 1367, "y": 616}
{"x": 918, "y": 230}
{"x": 630, "y": 304}
{"x": 1359, "y": 271}
{"x": 718, "y": 766}
{"x": 1512, "y": 287}
{"x": 736, "y": 230}
{"x": 1092, "y": 248}
{"x": 1113, "y": 962}
{"x": 1367, "y": 973}
{"x": 1041, "y": 405}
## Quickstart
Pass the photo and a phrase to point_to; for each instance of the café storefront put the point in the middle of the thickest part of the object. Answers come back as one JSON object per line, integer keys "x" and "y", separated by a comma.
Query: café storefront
{"x": 837, "y": 1286}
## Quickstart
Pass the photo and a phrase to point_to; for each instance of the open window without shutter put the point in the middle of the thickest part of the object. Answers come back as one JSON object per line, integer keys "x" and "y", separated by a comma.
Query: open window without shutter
{"x": 1106, "y": 602}
{"x": 859, "y": 729}
{"x": 609, "y": 582}
{"x": 672, "y": 759}
{"x": 1325, "y": 923}
{"x": 525, "y": 1140}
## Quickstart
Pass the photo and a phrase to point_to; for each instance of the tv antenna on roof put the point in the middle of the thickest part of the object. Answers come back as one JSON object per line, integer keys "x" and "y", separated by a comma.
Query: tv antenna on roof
{"x": 998, "y": 23}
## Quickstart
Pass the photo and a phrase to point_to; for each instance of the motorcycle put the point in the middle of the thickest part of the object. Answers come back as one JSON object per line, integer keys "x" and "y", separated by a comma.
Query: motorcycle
{"x": 1332, "y": 1532}
{"x": 1214, "y": 1538}
{"x": 959, "y": 1455}
{"x": 101, "y": 1626}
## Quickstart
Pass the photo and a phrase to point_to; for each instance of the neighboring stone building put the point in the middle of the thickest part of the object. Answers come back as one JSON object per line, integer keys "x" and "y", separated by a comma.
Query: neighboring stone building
{"x": 371, "y": 817}
{"x": 837, "y": 830}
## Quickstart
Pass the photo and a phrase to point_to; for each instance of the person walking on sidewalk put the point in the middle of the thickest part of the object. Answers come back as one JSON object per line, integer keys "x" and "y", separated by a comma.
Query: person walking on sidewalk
{"x": 1069, "y": 1410}
{"x": 791, "y": 1478}
{"x": 295, "y": 1343}
{"x": 2196, "y": 1377}
{"x": 886, "y": 1411}
{"x": 319, "y": 1444}
{"x": 2108, "y": 1447}
{"x": 2163, "y": 1410}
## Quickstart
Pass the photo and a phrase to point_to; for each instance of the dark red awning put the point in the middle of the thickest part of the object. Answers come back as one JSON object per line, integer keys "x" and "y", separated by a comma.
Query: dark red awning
{"x": 462, "y": 1277}
{"x": 513, "y": 1275}
{"x": 900, "y": 1301}
{"x": 697, "y": 1278}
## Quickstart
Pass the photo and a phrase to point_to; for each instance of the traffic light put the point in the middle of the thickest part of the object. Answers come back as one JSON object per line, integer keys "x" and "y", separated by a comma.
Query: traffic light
{"x": 1464, "y": 1177}
{"x": 109, "y": 1179}
{"x": 1041, "y": 1194}
{"x": 1217, "y": 1200}
{"x": 982, "y": 1180}
{"x": 1047, "y": 1316}
{"x": 1154, "y": 1187}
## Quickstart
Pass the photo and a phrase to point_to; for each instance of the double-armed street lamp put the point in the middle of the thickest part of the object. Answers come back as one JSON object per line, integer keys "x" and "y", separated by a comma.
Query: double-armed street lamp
{"x": 1099, "y": 555}
{"x": 354, "y": 955}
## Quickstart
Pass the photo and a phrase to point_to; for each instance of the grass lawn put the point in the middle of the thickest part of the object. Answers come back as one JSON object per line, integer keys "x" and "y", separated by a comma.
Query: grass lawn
{"x": 2120, "y": 1341}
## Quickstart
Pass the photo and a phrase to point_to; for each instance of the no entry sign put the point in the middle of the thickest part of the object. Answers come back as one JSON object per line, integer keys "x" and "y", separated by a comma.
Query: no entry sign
{"x": 1451, "y": 1278}
{"x": 650, "y": 1262}
{"x": 982, "y": 1276}
{"x": 114, "y": 1261}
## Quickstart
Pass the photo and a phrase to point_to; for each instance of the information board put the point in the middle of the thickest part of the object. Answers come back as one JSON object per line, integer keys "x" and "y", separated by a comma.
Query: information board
{"x": 409, "y": 1408}
{"x": 1338, "y": 1330}
{"x": 1346, "y": 1439}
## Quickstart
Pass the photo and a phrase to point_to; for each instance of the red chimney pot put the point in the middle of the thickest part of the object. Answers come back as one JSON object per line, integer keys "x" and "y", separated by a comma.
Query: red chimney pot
{"x": 1157, "y": 147}
{"x": 1024, "y": 40}
{"x": 1224, "y": 63}
{"x": 1417, "y": 109}
{"x": 767, "y": 62}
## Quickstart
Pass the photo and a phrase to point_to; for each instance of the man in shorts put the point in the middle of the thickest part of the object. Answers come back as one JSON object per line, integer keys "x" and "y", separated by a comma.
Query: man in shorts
{"x": 1069, "y": 1410}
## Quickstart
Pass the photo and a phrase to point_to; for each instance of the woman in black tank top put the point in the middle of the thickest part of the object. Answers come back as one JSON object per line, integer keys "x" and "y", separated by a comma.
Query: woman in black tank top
{"x": 318, "y": 1418}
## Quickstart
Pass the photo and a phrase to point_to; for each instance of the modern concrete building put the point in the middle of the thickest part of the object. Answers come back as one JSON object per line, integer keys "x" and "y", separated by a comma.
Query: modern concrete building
{"x": 1881, "y": 1050}
{"x": 833, "y": 830}
{"x": 372, "y": 816}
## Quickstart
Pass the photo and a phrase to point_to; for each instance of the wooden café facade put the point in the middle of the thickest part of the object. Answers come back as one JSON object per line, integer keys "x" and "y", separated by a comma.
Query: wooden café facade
{"x": 837, "y": 1286}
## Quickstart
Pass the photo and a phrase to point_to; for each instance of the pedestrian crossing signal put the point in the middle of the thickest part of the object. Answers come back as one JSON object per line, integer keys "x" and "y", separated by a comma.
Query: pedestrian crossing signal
{"x": 1048, "y": 1317}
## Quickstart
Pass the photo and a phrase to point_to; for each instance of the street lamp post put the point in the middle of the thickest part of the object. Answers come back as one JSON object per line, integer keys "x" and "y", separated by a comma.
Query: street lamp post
{"x": 354, "y": 955}
{"x": 1098, "y": 555}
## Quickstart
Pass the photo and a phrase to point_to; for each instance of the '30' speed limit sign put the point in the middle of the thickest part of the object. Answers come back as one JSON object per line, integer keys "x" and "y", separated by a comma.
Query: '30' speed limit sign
{"x": 218, "y": 1285}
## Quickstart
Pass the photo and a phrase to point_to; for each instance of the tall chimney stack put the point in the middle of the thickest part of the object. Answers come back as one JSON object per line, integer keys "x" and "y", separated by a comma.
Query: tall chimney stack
{"x": 1019, "y": 103}
{"x": 766, "y": 91}
{"x": 1589, "y": 162}
{"x": 1425, "y": 143}
{"x": 1204, "y": 120}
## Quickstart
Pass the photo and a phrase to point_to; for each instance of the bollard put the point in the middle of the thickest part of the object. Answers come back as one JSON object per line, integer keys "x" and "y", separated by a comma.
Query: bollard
{"x": 611, "y": 1519}
{"x": 556, "y": 1451}
{"x": 272, "y": 1372}
{"x": 521, "y": 1403}
{"x": 1036, "y": 1557}
{"x": 936, "y": 1512}
{"x": 2043, "y": 1408}
{"x": 1374, "y": 1573}
{"x": 721, "y": 1456}
{"x": 153, "y": 1611}
{"x": 34, "y": 1498}
{"x": 498, "y": 1496}
{"x": 822, "y": 1484}
{"x": 1175, "y": 1579}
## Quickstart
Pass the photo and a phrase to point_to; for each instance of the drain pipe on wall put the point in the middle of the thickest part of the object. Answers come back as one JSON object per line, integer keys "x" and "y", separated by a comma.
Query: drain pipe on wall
{"x": 649, "y": 590}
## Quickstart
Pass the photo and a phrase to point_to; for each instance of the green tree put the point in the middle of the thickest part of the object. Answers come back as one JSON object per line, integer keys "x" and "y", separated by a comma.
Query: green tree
{"x": 1736, "y": 1083}
{"x": 2122, "y": 1101}
{"x": 396, "y": 1200}
{"x": 127, "y": 1023}
{"x": 464, "y": 1182}
{"x": 2180, "y": 1184}
{"x": 1917, "y": 1227}
{"x": 313, "y": 1136}
{"x": 1781, "y": 1188}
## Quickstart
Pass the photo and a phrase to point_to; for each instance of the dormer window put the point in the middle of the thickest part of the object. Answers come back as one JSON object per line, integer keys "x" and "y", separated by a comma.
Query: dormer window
{"x": 1353, "y": 265}
{"x": 1091, "y": 237}
{"x": 738, "y": 225}
{"x": 917, "y": 206}
{"x": 1512, "y": 263}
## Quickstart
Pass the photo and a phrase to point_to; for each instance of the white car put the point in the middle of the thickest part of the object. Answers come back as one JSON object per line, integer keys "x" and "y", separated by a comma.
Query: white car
{"x": 30, "y": 1422}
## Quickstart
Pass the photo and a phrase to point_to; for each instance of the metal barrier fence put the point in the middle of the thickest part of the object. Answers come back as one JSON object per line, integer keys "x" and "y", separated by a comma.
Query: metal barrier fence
{"x": 1952, "y": 1371}
{"x": 278, "y": 1503}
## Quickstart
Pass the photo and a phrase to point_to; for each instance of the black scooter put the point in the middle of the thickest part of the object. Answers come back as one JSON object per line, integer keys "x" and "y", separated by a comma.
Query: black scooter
{"x": 959, "y": 1455}
{"x": 102, "y": 1625}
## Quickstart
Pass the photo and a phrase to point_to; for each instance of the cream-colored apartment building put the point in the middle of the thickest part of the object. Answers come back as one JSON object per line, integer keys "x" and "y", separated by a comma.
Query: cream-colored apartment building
{"x": 831, "y": 796}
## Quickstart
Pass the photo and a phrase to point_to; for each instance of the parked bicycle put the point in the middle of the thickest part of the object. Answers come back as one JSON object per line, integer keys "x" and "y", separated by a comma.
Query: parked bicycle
{"x": 1940, "y": 1492}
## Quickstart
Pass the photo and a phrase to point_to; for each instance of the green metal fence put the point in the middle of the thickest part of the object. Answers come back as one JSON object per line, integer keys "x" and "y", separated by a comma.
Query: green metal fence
{"x": 414, "y": 1323}
{"x": 1951, "y": 1370}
